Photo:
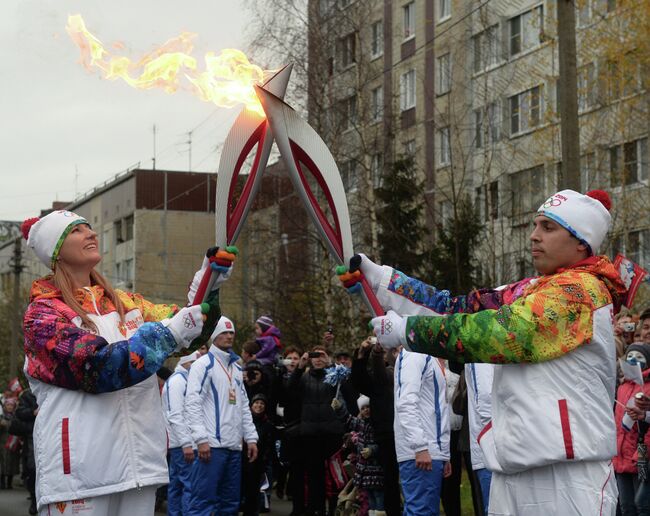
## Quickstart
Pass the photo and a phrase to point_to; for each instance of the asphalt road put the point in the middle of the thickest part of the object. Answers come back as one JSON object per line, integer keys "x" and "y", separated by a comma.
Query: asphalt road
{"x": 14, "y": 502}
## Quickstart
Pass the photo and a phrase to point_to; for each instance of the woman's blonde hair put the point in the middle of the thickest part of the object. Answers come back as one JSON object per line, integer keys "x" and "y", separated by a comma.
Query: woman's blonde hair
{"x": 63, "y": 281}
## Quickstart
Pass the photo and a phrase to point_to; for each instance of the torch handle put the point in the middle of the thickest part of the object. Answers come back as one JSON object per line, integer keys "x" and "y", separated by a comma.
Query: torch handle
{"x": 371, "y": 298}
{"x": 208, "y": 279}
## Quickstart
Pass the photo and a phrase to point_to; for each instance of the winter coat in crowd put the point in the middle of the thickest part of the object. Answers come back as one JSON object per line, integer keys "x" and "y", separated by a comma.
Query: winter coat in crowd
{"x": 270, "y": 346}
{"x": 317, "y": 415}
{"x": 626, "y": 439}
{"x": 368, "y": 473}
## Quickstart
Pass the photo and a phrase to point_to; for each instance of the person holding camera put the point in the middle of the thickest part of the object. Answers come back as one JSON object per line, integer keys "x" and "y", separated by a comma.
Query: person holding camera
{"x": 320, "y": 430}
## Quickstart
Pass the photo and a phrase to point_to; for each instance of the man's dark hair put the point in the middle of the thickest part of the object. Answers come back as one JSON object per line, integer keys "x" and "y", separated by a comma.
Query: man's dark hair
{"x": 251, "y": 347}
{"x": 342, "y": 353}
{"x": 645, "y": 314}
{"x": 291, "y": 349}
{"x": 163, "y": 373}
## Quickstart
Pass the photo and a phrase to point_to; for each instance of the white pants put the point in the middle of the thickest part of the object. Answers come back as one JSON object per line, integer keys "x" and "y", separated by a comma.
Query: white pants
{"x": 134, "y": 502}
{"x": 565, "y": 488}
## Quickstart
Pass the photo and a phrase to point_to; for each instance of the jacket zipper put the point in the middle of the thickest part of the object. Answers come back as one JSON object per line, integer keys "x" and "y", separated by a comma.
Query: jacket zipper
{"x": 125, "y": 401}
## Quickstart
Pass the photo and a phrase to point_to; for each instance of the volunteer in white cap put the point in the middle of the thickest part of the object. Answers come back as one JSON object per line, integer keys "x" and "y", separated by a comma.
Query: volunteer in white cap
{"x": 552, "y": 436}
{"x": 91, "y": 353}
{"x": 220, "y": 420}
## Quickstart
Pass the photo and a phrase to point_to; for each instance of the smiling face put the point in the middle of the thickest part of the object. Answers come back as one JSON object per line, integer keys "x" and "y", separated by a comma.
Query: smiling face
{"x": 258, "y": 407}
{"x": 553, "y": 247}
{"x": 80, "y": 248}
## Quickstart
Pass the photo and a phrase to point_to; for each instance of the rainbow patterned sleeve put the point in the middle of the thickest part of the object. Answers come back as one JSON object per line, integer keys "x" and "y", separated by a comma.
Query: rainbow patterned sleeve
{"x": 150, "y": 311}
{"x": 442, "y": 302}
{"x": 59, "y": 353}
{"x": 554, "y": 318}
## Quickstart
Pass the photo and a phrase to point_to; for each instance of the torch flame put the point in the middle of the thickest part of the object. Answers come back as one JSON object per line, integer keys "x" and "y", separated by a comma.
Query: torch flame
{"x": 227, "y": 80}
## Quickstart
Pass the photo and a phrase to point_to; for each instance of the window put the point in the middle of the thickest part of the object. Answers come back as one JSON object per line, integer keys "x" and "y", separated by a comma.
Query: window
{"x": 527, "y": 190}
{"x": 407, "y": 90}
{"x": 409, "y": 149}
{"x": 526, "y": 30}
{"x": 444, "y": 9}
{"x": 487, "y": 201}
{"x": 377, "y": 170}
{"x": 444, "y": 147}
{"x": 525, "y": 110}
{"x": 583, "y": 12}
{"x": 117, "y": 230}
{"x": 445, "y": 210}
{"x": 443, "y": 74}
{"x": 106, "y": 245}
{"x": 377, "y": 103}
{"x": 586, "y": 87}
{"x": 628, "y": 163}
{"x": 348, "y": 113}
{"x": 409, "y": 20}
{"x": 486, "y": 48}
{"x": 128, "y": 222}
{"x": 487, "y": 125}
{"x": 636, "y": 246}
{"x": 377, "y": 39}
{"x": 589, "y": 177}
{"x": 349, "y": 175}
{"x": 348, "y": 50}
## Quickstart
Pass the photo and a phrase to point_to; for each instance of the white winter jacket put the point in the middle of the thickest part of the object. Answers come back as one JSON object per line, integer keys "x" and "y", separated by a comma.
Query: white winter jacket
{"x": 212, "y": 414}
{"x": 421, "y": 410}
{"x": 92, "y": 444}
{"x": 544, "y": 410}
{"x": 478, "y": 378}
{"x": 173, "y": 400}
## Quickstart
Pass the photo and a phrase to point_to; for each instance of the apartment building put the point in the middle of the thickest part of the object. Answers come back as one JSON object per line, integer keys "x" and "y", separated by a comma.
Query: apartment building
{"x": 470, "y": 91}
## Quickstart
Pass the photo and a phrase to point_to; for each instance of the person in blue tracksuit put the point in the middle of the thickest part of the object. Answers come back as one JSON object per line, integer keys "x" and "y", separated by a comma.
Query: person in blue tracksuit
{"x": 220, "y": 420}
{"x": 181, "y": 447}
{"x": 421, "y": 427}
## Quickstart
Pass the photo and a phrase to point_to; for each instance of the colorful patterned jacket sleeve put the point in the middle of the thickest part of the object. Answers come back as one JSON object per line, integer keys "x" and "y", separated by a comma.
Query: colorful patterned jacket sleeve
{"x": 552, "y": 320}
{"x": 59, "y": 353}
{"x": 150, "y": 311}
{"x": 442, "y": 302}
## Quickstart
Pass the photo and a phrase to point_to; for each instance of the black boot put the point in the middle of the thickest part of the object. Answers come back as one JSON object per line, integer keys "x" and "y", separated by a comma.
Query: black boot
{"x": 32, "y": 507}
{"x": 2, "y": 482}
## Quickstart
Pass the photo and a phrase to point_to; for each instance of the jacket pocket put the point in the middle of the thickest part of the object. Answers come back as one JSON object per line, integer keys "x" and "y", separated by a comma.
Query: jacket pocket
{"x": 65, "y": 445}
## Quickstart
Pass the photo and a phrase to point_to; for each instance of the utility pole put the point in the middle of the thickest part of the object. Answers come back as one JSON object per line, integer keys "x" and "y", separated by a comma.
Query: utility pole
{"x": 154, "y": 148}
{"x": 568, "y": 95}
{"x": 15, "y": 320}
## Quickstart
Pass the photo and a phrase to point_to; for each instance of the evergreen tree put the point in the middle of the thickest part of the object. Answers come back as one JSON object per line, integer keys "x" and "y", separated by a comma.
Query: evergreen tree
{"x": 400, "y": 217}
{"x": 450, "y": 263}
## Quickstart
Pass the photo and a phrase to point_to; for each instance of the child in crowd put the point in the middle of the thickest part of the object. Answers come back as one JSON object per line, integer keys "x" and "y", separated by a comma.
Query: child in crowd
{"x": 268, "y": 338}
{"x": 368, "y": 474}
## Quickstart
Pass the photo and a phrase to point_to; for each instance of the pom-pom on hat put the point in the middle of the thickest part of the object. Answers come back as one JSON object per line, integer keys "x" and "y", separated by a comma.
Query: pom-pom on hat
{"x": 586, "y": 217}
{"x": 46, "y": 235}
{"x": 363, "y": 401}
{"x": 265, "y": 322}
{"x": 223, "y": 325}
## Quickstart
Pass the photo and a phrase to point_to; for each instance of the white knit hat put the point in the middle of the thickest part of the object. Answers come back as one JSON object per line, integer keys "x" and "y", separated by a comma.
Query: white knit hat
{"x": 586, "y": 217}
{"x": 46, "y": 235}
{"x": 189, "y": 358}
{"x": 363, "y": 401}
{"x": 223, "y": 325}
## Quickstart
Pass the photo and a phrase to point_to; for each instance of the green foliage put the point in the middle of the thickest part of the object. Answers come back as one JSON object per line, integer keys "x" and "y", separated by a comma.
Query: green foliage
{"x": 451, "y": 263}
{"x": 400, "y": 217}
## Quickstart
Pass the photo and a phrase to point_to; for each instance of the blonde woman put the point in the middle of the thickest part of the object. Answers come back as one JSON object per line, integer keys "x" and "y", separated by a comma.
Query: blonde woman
{"x": 91, "y": 353}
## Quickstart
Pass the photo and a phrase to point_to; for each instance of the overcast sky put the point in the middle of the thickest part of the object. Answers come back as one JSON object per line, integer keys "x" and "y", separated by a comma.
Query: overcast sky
{"x": 55, "y": 117}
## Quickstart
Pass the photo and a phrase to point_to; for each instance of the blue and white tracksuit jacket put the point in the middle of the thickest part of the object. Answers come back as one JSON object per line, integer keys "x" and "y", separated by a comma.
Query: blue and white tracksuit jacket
{"x": 211, "y": 415}
{"x": 173, "y": 400}
{"x": 421, "y": 410}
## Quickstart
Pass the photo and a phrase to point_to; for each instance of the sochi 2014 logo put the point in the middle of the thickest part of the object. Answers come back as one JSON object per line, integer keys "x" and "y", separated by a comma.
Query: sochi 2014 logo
{"x": 386, "y": 327}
